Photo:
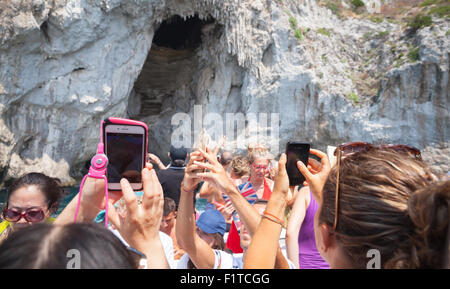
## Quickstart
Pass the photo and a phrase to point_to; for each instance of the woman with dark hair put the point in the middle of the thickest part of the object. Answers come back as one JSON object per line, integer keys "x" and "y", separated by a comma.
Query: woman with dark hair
{"x": 72, "y": 246}
{"x": 30, "y": 199}
{"x": 378, "y": 208}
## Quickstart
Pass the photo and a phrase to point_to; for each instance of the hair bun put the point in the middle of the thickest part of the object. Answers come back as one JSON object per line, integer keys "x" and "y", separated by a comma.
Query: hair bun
{"x": 428, "y": 209}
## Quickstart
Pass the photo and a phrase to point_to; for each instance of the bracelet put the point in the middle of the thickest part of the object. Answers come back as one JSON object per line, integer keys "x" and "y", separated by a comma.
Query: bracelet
{"x": 273, "y": 218}
{"x": 183, "y": 188}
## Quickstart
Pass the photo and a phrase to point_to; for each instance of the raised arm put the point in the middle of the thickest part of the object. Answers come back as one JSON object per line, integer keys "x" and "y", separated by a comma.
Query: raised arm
{"x": 247, "y": 213}
{"x": 92, "y": 202}
{"x": 269, "y": 229}
{"x": 294, "y": 224}
{"x": 155, "y": 159}
{"x": 218, "y": 179}
{"x": 200, "y": 253}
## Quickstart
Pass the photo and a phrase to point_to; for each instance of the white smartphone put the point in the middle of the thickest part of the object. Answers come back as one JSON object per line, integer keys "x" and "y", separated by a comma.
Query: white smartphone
{"x": 125, "y": 147}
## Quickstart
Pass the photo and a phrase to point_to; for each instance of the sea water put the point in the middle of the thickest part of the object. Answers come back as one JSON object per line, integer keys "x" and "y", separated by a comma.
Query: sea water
{"x": 70, "y": 193}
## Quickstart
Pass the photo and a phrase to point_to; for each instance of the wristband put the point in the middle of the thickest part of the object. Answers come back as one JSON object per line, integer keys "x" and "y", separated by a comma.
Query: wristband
{"x": 183, "y": 188}
{"x": 273, "y": 218}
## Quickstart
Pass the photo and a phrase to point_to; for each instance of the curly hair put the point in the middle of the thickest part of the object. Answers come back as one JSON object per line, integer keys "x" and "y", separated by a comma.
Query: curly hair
{"x": 239, "y": 166}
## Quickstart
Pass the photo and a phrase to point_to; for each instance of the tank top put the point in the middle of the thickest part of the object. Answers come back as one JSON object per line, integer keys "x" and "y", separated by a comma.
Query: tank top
{"x": 309, "y": 256}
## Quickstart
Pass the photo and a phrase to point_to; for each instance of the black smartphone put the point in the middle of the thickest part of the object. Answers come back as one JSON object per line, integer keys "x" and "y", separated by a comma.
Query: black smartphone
{"x": 296, "y": 151}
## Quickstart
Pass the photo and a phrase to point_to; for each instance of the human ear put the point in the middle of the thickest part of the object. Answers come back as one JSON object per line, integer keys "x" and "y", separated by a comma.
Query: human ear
{"x": 327, "y": 238}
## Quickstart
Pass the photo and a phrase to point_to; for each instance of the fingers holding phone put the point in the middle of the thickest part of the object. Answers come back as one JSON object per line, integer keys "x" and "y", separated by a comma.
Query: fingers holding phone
{"x": 142, "y": 220}
{"x": 315, "y": 175}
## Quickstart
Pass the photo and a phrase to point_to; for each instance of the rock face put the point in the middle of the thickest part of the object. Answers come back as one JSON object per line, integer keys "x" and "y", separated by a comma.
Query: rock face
{"x": 65, "y": 65}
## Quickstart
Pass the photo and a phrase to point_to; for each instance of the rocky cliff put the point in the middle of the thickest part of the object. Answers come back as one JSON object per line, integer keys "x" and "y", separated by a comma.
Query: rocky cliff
{"x": 329, "y": 71}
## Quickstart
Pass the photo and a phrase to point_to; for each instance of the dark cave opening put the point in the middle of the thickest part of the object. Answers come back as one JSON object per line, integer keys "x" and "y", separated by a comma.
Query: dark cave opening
{"x": 178, "y": 33}
{"x": 170, "y": 64}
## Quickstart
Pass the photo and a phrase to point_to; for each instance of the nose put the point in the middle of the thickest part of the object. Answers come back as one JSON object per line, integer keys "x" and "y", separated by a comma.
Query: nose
{"x": 22, "y": 221}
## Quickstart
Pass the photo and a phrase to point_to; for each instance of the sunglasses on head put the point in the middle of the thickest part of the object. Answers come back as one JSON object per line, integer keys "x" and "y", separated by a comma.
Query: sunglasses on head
{"x": 32, "y": 215}
{"x": 350, "y": 148}
{"x": 354, "y": 147}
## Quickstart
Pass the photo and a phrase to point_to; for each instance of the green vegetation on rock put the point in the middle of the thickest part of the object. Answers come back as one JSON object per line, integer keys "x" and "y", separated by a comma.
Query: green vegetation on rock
{"x": 441, "y": 11}
{"x": 298, "y": 34}
{"x": 293, "y": 22}
{"x": 383, "y": 34}
{"x": 324, "y": 31}
{"x": 376, "y": 19}
{"x": 354, "y": 97}
{"x": 429, "y": 2}
{"x": 357, "y": 3}
{"x": 420, "y": 21}
{"x": 333, "y": 7}
{"x": 413, "y": 54}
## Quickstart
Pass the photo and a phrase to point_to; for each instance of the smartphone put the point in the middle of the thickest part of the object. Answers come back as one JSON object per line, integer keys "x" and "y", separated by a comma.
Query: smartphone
{"x": 126, "y": 148}
{"x": 296, "y": 151}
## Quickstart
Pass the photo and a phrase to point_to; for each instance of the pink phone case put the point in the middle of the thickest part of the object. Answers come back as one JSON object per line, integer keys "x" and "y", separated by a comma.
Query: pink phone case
{"x": 124, "y": 121}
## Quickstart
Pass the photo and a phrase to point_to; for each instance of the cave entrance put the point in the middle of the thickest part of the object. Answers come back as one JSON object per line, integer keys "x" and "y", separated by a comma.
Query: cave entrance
{"x": 170, "y": 65}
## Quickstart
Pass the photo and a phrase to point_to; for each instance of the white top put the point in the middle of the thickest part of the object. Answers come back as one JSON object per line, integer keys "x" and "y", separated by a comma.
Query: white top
{"x": 224, "y": 260}
{"x": 166, "y": 242}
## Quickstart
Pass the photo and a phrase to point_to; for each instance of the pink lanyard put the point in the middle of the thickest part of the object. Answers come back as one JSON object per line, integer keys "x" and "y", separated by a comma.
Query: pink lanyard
{"x": 97, "y": 170}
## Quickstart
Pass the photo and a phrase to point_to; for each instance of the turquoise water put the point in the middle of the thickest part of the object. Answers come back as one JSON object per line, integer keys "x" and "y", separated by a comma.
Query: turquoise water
{"x": 72, "y": 191}
{"x": 200, "y": 205}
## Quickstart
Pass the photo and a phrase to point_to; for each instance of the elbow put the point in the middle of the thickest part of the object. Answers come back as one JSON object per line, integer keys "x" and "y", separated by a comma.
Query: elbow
{"x": 290, "y": 234}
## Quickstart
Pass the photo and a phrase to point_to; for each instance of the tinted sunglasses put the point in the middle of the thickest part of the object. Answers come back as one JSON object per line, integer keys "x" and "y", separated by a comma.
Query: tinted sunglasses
{"x": 350, "y": 148}
{"x": 354, "y": 147}
{"x": 260, "y": 167}
{"x": 32, "y": 215}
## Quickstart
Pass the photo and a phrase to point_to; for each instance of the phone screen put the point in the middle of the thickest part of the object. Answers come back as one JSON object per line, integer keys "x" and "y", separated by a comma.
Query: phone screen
{"x": 125, "y": 155}
{"x": 296, "y": 151}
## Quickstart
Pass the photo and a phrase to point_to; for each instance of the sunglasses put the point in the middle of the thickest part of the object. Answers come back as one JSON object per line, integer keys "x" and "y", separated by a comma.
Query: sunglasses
{"x": 260, "y": 167}
{"x": 31, "y": 215}
{"x": 350, "y": 148}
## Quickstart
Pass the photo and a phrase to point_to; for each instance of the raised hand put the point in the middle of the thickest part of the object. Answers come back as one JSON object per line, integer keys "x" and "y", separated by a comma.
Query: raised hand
{"x": 281, "y": 185}
{"x": 191, "y": 180}
{"x": 219, "y": 145}
{"x": 227, "y": 210}
{"x": 216, "y": 176}
{"x": 316, "y": 175}
{"x": 140, "y": 225}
